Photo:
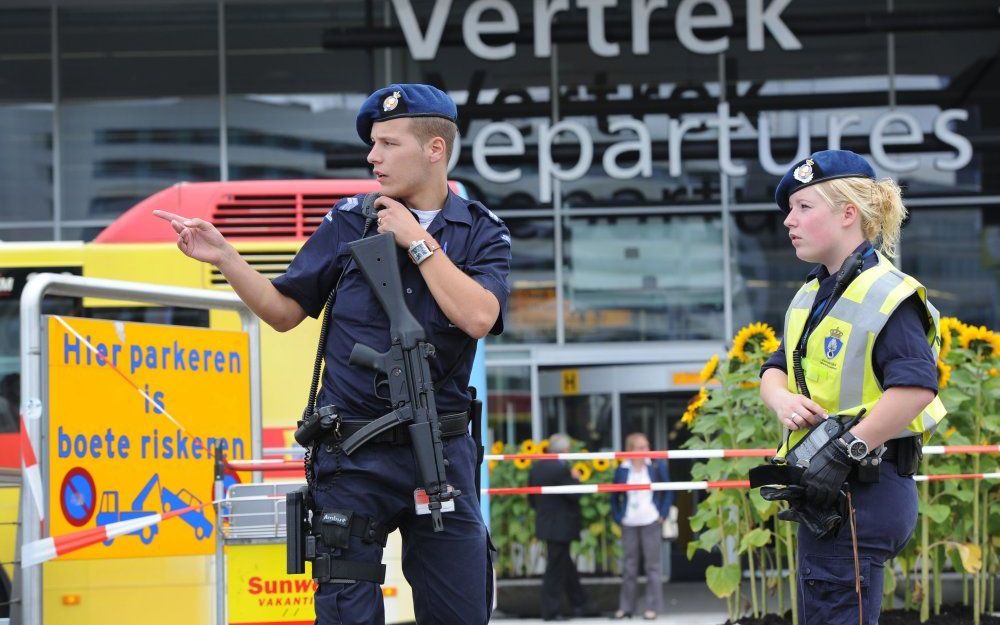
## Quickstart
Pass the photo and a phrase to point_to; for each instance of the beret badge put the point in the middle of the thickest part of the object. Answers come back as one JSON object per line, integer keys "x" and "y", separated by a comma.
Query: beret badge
{"x": 391, "y": 102}
{"x": 804, "y": 172}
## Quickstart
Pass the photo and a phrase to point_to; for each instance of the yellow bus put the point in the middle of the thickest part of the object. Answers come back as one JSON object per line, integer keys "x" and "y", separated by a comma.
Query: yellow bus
{"x": 267, "y": 222}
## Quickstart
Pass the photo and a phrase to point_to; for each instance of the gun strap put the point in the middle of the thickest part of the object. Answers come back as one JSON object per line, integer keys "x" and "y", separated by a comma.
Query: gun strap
{"x": 767, "y": 474}
{"x": 373, "y": 429}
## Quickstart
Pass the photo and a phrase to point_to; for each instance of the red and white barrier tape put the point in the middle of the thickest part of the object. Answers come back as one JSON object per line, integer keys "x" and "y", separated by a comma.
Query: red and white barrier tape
{"x": 702, "y": 454}
{"x": 578, "y": 489}
{"x": 277, "y": 464}
{"x": 46, "y": 549}
{"x": 32, "y": 473}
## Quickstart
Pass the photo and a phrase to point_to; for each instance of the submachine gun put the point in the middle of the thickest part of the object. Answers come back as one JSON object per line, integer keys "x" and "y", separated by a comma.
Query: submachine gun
{"x": 411, "y": 389}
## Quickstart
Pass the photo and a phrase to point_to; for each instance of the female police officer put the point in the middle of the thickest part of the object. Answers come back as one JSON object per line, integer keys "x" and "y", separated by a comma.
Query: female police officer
{"x": 455, "y": 284}
{"x": 860, "y": 339}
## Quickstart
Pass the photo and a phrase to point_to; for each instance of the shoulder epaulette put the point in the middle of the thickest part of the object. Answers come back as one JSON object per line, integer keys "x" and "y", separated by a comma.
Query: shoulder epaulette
{"x": 350, "y": 204}
{"x": 482, "y": 208}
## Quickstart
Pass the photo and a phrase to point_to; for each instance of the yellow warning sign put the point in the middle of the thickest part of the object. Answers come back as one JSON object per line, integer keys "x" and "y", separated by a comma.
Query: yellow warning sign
{"x": 136, "y": 412}
{"x": 570, "y": 381}
{"x": 260, "y": 592}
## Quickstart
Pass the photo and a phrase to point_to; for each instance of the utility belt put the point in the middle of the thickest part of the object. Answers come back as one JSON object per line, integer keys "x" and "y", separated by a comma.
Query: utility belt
{"x": 454, "y": 424}
{"x": 905, "y": 453}
{"x": 328, "y": 426}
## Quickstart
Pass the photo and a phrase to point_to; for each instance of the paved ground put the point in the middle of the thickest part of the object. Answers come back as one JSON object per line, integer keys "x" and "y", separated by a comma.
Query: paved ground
{"x": 688, "y": 603}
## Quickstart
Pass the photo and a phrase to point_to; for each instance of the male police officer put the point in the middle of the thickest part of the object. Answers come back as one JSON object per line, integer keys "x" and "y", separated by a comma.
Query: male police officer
{"x": 454, "y": 278}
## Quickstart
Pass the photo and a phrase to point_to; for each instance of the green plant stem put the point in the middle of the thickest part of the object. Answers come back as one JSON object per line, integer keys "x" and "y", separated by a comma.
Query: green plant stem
{"x": 984, "y": 571}
{"x": 792, "y": 575}
{"x": 938, "y": 565}
{"x": 925, "y": 554}
{"x": 750, "y": 560}
{"x": 977, "y": 598}
{"x": 778, "y": 544}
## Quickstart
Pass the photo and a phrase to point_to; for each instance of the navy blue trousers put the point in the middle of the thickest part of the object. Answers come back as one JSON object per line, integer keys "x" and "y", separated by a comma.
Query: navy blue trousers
{"x": 449, "y": 572}
{"x": 886, "y": 517}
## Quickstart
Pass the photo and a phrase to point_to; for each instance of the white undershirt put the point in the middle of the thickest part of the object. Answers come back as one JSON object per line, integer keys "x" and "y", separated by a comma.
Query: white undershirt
{"x": 639, "y": 509}
{"x": 425, "y": 217}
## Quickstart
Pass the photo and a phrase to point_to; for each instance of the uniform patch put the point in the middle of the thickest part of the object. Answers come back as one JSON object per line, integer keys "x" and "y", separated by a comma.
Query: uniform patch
{"x": 348, "y": 204}
{"x": 329, "y": 215}
{"x": 488, "y": 212}
{"x": 832, "y": 344}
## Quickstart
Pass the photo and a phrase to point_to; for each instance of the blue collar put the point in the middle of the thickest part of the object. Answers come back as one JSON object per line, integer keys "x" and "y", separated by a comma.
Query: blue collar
{"x": 456, "y": 209}
{"x": 820, "y": 273}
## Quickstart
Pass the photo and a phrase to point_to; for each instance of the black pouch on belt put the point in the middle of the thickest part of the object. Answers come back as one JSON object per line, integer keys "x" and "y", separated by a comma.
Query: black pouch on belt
{"x": 910, "y": 452}
{"x": 335, "y": 528}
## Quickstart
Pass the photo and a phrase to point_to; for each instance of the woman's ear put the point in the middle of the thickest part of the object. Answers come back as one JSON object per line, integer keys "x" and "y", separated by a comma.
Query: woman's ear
{"x": 849, "y": 215}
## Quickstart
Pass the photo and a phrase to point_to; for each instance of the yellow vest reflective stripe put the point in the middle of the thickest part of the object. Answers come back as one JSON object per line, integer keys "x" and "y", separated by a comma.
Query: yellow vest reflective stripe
{"x": 838, "y": 364}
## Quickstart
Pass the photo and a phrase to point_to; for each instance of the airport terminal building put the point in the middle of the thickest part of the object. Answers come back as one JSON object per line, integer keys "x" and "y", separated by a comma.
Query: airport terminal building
{"x": 632, "y": 147}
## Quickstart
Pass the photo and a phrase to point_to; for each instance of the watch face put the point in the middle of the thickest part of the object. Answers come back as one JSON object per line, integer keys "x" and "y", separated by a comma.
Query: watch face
{"x": 858, "y": 449}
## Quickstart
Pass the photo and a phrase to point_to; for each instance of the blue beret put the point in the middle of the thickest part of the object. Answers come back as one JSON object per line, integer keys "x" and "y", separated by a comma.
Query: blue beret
{"x": 409, "y": 100}
{"x": 821, "y": 166}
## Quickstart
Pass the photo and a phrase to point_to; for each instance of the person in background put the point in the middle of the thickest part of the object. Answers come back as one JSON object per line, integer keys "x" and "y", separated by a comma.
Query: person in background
{"x": 641, "y": 514}
{"x": 557, "y": 522}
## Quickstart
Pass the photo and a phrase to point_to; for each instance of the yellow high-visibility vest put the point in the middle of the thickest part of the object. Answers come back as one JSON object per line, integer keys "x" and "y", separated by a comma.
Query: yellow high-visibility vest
{"x": 838, "y": 360}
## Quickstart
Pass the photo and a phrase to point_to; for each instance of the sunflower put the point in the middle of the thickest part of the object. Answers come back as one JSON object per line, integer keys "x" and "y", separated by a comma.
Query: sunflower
{"x": 944, "y": 374}
{"x": 949, "y": 432}
{"x": 522, "y": 463}
{"x": 743, "y": 339}
{"x": 692, "y": 408}
{"x": 542, "y": 446}
{"x": 584, "y": 469}
{"x": 946, "y": 340}
{"x": 497, "y": 448}
{"x": 493, "y": 464}
{"x": 709, "y": 369}
{"x": 982, "y": 341}
{"x": 770, "y": 345}
{"x": 952, "y": 326}
{"x": 994, "y": 372}
{"x": 528, "y": 446}
{"x": 601, "y": 465}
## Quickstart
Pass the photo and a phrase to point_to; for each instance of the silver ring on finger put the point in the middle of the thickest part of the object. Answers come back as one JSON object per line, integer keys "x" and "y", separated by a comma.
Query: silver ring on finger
{"x": 795, "y": 416}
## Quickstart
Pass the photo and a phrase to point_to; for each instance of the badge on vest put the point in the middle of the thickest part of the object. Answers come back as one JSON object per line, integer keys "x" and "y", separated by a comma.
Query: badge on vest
{"x": 832, "y": 344}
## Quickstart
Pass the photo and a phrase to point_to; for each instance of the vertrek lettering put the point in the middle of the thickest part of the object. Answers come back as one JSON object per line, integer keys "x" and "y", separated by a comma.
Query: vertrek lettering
{"x": 761, "y": 19}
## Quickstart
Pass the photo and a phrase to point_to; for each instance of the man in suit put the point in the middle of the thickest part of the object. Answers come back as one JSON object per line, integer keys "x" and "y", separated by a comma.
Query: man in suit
{"x": 557, "y": 522}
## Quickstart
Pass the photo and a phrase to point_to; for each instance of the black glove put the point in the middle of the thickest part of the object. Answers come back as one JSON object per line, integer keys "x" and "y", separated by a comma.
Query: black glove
{"x": 822, "y": 522}
{"x": 826, "y": 474}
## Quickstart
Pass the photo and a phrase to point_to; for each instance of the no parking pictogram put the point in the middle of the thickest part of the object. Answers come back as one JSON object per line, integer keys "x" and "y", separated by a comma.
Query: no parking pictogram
{"x": 76, "y": 497}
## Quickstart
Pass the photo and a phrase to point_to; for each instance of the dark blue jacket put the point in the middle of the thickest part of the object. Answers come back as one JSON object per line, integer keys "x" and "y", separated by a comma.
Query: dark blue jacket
{"x": 663, "y": 499}
{"x": 470, "y": 235}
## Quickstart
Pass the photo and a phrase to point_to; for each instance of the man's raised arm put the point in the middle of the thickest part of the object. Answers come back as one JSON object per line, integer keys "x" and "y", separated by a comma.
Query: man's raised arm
{"x": 201, "y": 241}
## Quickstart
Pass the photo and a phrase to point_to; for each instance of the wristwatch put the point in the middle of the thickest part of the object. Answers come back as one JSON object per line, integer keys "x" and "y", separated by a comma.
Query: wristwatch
{"x": 855, "y": 447}
{"x": 419, "y": 251}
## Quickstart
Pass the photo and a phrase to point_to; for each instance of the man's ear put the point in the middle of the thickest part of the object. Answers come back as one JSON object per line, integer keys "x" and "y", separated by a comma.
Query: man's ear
{"x": 436, "y": 149}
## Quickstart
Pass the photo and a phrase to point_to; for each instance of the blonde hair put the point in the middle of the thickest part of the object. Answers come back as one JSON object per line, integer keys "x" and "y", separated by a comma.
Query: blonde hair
{"x": 880, "y": 203}
{"x": 426, "y": 128}
{"x": 632, "y": 439}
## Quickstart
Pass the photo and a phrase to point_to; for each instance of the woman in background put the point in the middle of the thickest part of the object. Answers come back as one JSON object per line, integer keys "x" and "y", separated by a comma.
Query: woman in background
{"x": 641, "y": 515}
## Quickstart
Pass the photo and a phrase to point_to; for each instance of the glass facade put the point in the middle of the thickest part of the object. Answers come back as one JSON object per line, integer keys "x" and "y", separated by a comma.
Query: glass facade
{"x": 634, "y": 157}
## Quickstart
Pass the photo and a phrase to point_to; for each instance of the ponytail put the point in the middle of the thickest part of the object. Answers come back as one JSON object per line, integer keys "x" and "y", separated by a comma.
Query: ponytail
{"x": 879, "y": 202}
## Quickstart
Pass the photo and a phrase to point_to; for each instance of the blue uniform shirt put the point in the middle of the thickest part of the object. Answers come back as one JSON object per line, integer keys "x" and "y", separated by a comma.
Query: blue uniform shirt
{"x": 470, "y": 235}
{"x": 902, "y": 356}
